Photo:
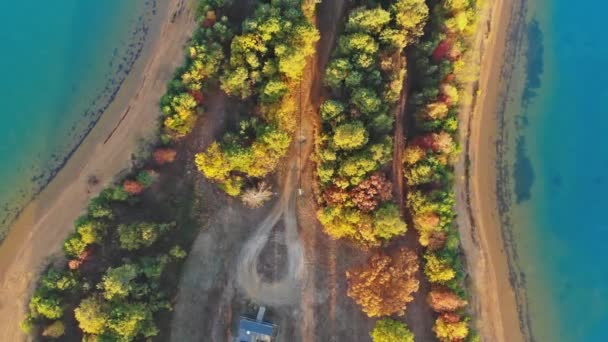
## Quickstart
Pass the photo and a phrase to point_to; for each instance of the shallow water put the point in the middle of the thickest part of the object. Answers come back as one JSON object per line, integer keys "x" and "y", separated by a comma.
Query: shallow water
{"x": 558, "y": 169}
{"x": 61, "y": 63}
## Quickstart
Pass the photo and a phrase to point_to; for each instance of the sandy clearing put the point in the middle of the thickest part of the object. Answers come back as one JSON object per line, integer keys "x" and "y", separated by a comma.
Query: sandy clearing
{"x": 38, "y": 232}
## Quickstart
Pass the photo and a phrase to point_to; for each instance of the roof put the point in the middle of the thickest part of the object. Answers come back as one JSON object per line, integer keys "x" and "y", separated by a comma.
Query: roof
{"x": 252, "y": 331}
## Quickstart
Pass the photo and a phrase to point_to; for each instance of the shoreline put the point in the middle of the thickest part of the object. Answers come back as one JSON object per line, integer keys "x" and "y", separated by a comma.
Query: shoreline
{"x": 127, "y": 62}
{"x": 495, "y": 299}
{"x": 36, "y": 235}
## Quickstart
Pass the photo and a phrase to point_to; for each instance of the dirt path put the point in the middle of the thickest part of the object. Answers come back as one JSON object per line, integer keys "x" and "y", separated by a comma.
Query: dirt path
{"x": 399, "y": 143}
{"x": 46, "y": 222}
{"x": 278, "y": 292}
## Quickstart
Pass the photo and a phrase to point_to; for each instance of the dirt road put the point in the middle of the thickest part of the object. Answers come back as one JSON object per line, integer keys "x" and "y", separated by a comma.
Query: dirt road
{"x": 279, "y": 292}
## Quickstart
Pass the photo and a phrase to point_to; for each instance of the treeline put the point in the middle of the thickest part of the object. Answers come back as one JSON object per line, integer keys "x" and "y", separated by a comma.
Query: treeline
{"x": 439, "y": 61}
{"x": 264, "y": 68}
{"x": 364, "y": 80}
{"x": 121, "y": 261}
{"x": 184, "y": 98}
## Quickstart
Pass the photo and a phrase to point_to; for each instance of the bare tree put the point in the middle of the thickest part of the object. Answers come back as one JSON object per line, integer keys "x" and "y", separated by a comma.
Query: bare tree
{"x": 255, "y": 197}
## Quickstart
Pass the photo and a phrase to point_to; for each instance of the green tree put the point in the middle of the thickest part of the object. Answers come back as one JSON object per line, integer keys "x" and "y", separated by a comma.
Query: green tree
{"x": 273, "y": 91}
{"x": 366, "y": 101}
{"x": 54, "y": 279}
{"x": 119, "y": 281}
{"x": 337, "y": 71}
{"x": 388, "y": 330}
{"x": 92, "y": 315}
{"x": 73, "y": 246}
{"x": 47, "y": 304}
{"x": 350, "y": 136}
{"x": 139, "y": 235}
{"x": 236, "y": 82}
{"x": 90, "y": 231}
{"x": 367, "y": 20}
{"x": 331, "y": 109}
{"x": 410, "y": 16}
{"x": 357, "y": 42}
{"x": 438, "y": 270}
{"x": 99, "y": 207}
{"x": 388, "y": 222}
{"x": 128, "y": 320}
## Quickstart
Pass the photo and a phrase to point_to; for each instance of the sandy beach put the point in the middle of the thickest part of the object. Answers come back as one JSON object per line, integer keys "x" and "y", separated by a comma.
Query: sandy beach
{"x": 38, "y": 232}
{"x": 493, "y": 297}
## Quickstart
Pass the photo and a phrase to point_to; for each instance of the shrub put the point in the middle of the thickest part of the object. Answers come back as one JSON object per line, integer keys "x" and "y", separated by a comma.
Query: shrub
{"x": 54, "y": 330}
{"x": 28, "y": 324}
{"x": 177, "y": 252}
{"x": 147, "y": 177}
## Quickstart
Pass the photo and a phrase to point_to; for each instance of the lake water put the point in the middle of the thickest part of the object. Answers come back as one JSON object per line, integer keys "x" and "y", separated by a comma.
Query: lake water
{"x": 556, "y": 164}
{"x": 61, "y": 64}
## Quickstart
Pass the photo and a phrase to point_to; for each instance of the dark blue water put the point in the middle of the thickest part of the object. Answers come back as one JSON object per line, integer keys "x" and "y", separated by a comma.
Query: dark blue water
{"x": 59, "y": 64}
{"x": 559, "y": 169}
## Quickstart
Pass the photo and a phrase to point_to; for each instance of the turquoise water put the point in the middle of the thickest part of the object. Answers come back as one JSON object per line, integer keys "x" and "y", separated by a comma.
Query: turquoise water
{"x": 558, "y": 169}
{"x": 61, "y": 63}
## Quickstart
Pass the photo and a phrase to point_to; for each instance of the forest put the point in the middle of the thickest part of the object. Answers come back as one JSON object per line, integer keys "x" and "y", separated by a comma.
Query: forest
{"x": 118, "y": 273}
{"x": 365, "y": 78}
{"x": 266, "y": 62}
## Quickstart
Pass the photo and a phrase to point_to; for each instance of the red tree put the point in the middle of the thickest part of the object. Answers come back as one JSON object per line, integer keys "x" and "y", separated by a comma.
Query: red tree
{"x": 164, "y": 155}
{"x": 133, "y": 187}
{"x": 445, "y": 300}
{"x": 369, "y": 193}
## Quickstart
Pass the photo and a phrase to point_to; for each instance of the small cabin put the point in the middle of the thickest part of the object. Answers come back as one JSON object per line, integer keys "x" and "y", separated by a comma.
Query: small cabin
{"x": 256, "y": 330}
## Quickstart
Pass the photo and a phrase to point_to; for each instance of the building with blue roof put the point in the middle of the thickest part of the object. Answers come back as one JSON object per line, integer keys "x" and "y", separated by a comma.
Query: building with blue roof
{"x": 256, "y": 330}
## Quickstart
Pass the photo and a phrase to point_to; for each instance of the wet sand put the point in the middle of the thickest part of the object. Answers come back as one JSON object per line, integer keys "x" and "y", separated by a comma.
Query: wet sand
{"x": 37, "y": 234}
{"x": 494, "y": 301}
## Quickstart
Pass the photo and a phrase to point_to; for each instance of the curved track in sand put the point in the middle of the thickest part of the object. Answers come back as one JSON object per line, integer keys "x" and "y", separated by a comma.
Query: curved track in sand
{"x": 249, "y": 280}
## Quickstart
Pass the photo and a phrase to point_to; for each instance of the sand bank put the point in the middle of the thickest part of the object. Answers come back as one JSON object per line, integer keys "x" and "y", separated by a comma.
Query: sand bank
{"x": 107, "y": 150}
{"x": 494, "y": 301}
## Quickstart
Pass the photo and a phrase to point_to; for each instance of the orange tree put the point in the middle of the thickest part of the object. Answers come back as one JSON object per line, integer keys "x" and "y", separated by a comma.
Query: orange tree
{"x": 385, "y": 284}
